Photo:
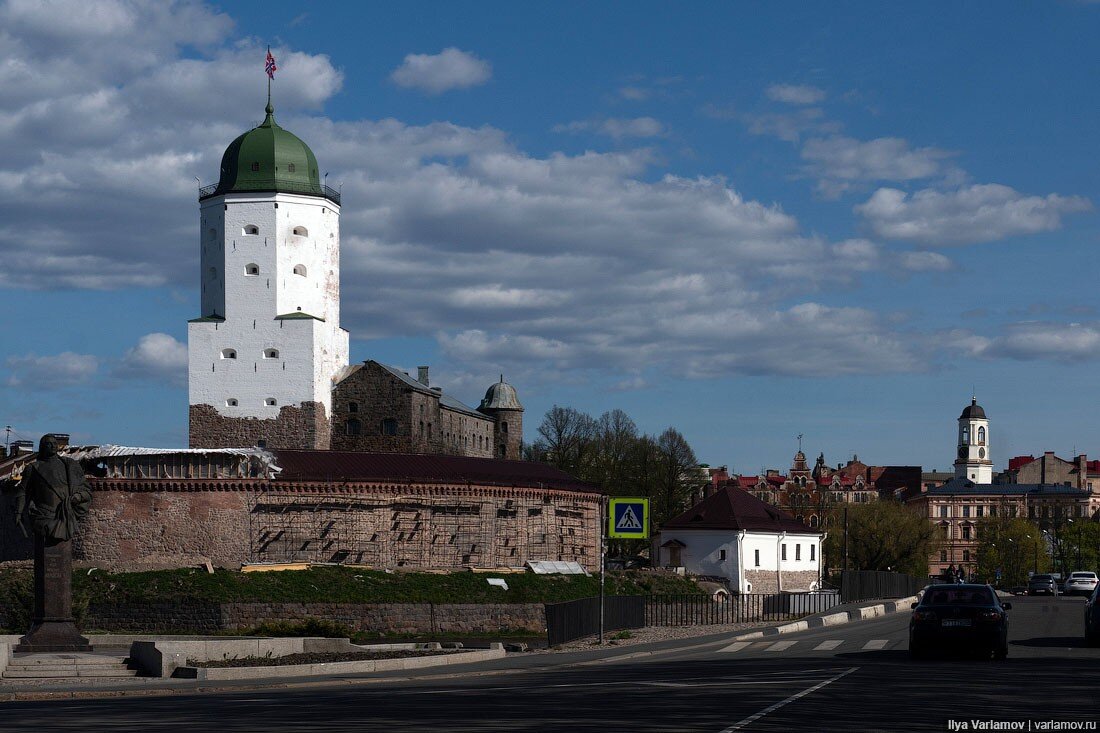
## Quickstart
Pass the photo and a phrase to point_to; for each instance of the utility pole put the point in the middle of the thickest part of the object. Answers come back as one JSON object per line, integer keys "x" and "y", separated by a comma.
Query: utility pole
{"x": 603, "y": 558}
{"x": 845, "y": 536}
{"x": 7, "y": 439}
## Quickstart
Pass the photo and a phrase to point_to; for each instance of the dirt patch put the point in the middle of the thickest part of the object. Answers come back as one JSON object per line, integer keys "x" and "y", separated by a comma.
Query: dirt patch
{"x": 318, "y": 658}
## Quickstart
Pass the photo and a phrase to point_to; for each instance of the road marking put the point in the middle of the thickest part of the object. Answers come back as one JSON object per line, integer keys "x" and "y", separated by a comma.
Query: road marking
{"x": 781, "y": 646}
{"x": 736, "y": 646}
{"x": 876, "y": 644}
{"x": 753, "y": 718}
{"x": 828, "y": 646}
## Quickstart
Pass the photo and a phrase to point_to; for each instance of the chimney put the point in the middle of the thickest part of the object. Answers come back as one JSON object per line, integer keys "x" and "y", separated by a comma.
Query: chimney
{"x": 1082, "y": 472}
{"x": 422, "y": 375}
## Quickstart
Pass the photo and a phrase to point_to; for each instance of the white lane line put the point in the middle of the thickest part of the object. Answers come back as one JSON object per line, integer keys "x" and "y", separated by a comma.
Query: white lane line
{"x": 828, "y": 646}
{"x": 876, "y": 644}
{"x": 753, "y": 718}
{"x": 781, "y": 646}
{"x": 735, "y": 646}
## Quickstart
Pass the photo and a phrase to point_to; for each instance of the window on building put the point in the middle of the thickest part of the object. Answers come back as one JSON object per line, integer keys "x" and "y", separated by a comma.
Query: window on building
{"x": 981, "y": 436}
{"x": 255, "y": 167}
{"x": 783, "y": 551}
{"x": 504, "y": 427}
{"x": 946, "y": 531}
{"x": 271, "y": 353}
{"x": 300, "y": 270}
{"x": 251, "y": 229}
{"x": 301, "y": 232}
{"x": 212, "y": 273}
{"x": 979, "y": 511}
{"x": 231, "y": 402}
{"x": 966, "y": 532}
{"x": 252, "y": 269}
{"x": 965, "y": 436}
{"x": 353, "y": 407}
{"x": 966, "y": 510}
{"x": 966, "y": 555}
{"x": 721, "y": 555}
{"x": 813, "y": 549}
{"x": 756, "y": 558}
{"x": 797, "y": 551}
{"x": 212, "y": 233}
{"x": 229, "y": 353}
{"x": 290, "y": 168}
{"x": 389, "y": 426}
{"x": 353, "y": 427}
{"x": 271, "y": 402}
{"x": 992, "y": 511}
{"x": 503, "y": 450}
{"x": 943, "y": 555}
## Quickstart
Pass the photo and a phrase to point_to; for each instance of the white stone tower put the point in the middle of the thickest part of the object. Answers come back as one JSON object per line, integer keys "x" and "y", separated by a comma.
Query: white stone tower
{"x": 973, "y": 460}
{"x": 263, "y": 355}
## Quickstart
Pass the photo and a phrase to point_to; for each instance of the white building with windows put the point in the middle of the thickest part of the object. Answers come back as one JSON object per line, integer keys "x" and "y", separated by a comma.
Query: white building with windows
{"x": 733, "y": 535}
{"x": 974, "y": 462}
{"x": 268, "y": 343}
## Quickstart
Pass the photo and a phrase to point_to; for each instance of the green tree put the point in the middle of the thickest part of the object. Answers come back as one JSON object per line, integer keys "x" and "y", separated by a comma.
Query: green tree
{"x": 1012, "y": 545}
{"x": 882, "y": 535}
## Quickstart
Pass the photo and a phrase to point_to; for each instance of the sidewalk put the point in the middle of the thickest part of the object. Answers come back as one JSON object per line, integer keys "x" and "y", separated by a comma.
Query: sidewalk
{"x": 580, "y": 652}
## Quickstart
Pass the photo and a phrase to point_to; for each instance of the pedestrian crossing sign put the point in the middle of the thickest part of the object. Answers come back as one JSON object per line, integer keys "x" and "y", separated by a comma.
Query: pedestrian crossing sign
{"x": 629, "y": 519}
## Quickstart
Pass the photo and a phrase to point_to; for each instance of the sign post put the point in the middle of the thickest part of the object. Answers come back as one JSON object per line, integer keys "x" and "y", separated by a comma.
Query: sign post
{"x": 626, "y": 519}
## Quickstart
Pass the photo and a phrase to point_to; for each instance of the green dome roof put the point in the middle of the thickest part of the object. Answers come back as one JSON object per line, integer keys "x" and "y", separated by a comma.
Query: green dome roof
{"x": 270, "y": 159}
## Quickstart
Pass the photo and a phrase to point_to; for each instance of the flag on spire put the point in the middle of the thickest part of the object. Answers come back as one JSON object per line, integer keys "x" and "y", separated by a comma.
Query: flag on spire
{"x": 269, "y": 65}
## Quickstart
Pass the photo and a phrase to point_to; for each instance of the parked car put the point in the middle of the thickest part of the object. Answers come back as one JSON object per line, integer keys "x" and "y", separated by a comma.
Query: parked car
{"x": 959, "y": 616}
{"x": 1092, "y": 618}
{"x": 1081, "y": 582}
{"x": 1042, "y": 584}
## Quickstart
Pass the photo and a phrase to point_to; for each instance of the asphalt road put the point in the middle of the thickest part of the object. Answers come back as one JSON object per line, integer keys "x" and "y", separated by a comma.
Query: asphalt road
{"x": 856, "y": 677}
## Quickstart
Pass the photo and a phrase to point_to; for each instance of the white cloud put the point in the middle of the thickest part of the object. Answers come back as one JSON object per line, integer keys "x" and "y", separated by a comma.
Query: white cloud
{"x": 978, "y": 213}
{"x": 795, "y": 94}
{"x": 924, "y": 262}
{"x": 616, "y": 127}
{"x": 50, "y": 372}
{"x": 838, "y": 161}
{"x": 157, "y": 357}
{"x": 788, "y": 126}
{"x": 1046, "y": 341}
{"x": 451, "y": 68}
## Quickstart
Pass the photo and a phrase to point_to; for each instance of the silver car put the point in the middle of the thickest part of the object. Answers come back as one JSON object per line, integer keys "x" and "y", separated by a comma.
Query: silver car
{"x": 1081, "y": 583}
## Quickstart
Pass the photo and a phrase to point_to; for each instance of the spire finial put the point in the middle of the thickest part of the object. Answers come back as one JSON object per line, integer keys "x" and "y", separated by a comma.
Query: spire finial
{"x": 269, "y": 68}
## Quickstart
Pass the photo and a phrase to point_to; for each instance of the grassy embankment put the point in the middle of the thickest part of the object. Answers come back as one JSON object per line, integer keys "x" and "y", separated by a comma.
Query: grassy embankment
{"x": 323, "y": 585}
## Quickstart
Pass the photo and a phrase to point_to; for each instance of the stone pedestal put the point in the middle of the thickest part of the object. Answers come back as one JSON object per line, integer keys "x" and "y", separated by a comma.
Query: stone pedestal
{"x": 53, "y": 628}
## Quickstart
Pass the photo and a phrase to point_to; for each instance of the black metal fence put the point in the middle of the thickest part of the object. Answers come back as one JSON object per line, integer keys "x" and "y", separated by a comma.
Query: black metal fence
{"x": 697, "y": 610}
{"x": 575, "y": 619}
{"x": 862, "y": 585}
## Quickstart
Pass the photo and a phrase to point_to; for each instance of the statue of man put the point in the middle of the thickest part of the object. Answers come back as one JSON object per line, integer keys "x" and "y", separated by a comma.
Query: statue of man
{"x": 53, "y": 494}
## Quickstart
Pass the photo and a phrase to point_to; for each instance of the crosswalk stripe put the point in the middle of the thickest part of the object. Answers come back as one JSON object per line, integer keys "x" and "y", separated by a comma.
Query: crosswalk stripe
{"x": 827, "y": 646}
{"x": 781, "y": 646}
{"x": 876, "y": 644}
{"x": 736, "y": 646}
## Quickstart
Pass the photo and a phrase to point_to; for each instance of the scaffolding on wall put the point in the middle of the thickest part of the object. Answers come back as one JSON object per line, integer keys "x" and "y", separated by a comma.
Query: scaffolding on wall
{"x": 412, "y": 530}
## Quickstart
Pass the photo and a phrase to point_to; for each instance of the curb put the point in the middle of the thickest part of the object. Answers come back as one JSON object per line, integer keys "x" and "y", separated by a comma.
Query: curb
{"x": 832, "y": 619}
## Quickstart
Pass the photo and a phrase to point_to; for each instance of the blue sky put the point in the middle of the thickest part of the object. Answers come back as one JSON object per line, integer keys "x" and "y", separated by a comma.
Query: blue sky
{"x": 747, "y": 221}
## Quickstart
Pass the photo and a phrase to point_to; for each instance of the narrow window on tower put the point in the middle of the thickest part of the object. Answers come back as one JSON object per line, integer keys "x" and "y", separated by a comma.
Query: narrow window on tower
{"x": 353, "y": 407}
{"x": 353, "y": 427}
{"x": 289, "y": 167}
{"x": 389, "y": 426}
{"x": 270, "y": 402}
{"x": 229, "y": 353}
{"x": 301, "y": 232}
{"x": 252, "y": 269}
{"x": 300, "y": 270}
{"x": 255, "y": 167}
{"x": 271, "y": 353}
{"x": 251, "y": 229}
{"x": 231, "y": 402}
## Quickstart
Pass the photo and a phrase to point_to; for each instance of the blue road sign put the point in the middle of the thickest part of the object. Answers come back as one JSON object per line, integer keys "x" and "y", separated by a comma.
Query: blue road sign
{"x": 628, "y": 519}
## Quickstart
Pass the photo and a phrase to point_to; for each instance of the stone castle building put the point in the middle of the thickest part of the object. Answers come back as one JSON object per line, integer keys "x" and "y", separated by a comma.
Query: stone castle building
{"x": 267, "y": 357}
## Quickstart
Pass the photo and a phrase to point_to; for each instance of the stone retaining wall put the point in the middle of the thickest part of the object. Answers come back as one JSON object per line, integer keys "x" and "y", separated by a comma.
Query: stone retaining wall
{"x": 369, "y": 618}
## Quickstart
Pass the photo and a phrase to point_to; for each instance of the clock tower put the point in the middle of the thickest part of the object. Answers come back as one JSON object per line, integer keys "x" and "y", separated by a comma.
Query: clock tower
{"x": 973, "y": 462}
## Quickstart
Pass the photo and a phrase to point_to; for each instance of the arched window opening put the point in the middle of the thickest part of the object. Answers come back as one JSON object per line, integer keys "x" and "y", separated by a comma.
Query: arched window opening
{"x": 231, "y": 402}
{"x": 290, "y": 168}
{"x": 353, "y": 427}
{"x": 981, "y": 436}
{"x": 252, "y": 269}
{"x": 229, "y": 353}
{"x": 271, "y": 402}
{"x": 504, "y": 427}
{"x": 300, "y": 270}
{"x": 966, "y": 435}
{"x": 301, "y": 232}
{"x": 389, "y": 426}
{"x": 251, "y": 229}
{"x": 271, "y": 353}
{"x": 212, "y": 273}
{"x": 353, "y": 407}
{"x": 212, "y": 233}
{"x": 503, "y": 449}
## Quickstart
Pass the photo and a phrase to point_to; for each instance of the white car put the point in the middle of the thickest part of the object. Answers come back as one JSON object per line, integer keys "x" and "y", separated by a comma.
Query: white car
{"x": 1081, "y": 582}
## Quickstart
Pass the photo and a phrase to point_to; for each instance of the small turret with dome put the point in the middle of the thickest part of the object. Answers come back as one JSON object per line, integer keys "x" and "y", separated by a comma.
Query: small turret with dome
{"x": 973, "y": 462}
{"x": 502, "y": 404}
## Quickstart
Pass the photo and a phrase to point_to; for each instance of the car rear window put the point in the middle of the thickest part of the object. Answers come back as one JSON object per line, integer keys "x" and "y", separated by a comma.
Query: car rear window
{"x": 1090, "y": 576}
{"x": 959, "y": 597}
{"x": 1040, "y": 577}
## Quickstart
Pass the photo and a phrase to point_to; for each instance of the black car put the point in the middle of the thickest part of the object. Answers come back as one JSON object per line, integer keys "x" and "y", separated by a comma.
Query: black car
{"x": 959, "y": 616}
{"x": 1092, "y": 618}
